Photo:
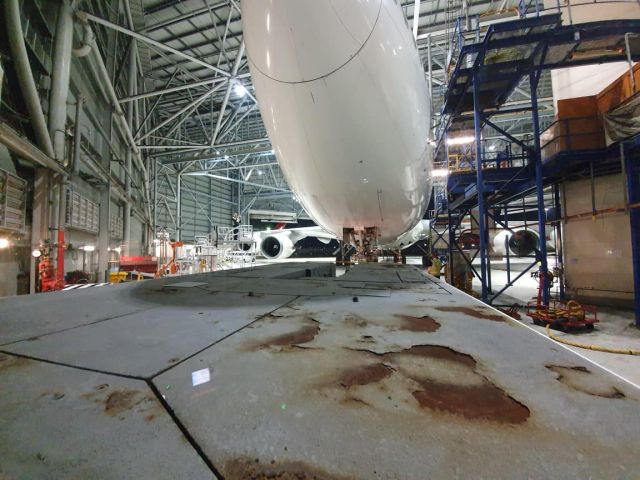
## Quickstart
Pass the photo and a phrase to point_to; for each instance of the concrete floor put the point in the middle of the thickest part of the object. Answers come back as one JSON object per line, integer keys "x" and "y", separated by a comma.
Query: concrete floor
{"x": 616, "y": 328}
{"x": 279, "y": 372}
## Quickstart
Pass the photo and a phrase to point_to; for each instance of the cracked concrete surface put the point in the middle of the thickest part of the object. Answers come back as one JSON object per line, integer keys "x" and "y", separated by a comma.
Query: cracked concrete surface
{"x": 287, "y": 372}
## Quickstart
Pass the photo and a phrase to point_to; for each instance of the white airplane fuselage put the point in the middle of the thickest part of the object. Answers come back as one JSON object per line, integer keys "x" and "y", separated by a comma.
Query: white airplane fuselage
{"x": 344, "y": 100}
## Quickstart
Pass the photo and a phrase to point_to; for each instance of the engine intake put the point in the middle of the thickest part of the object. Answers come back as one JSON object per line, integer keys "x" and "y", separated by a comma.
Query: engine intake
{"x": 521, "y": 242}
{"x": 276, "y": 247}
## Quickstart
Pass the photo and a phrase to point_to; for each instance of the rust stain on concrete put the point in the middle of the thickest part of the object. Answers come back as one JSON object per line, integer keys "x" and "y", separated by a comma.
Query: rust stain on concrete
{"x": 474, "y": 397}
{"x": 476, "y": 312}
{"x": 418, "y": 324}
{"x": 304, "y": 334}
{"x": 247, "y": 469}
{"x": 121, "y": 400}
{"x": 364, "y": 375}
{"x": 582, "y": 380}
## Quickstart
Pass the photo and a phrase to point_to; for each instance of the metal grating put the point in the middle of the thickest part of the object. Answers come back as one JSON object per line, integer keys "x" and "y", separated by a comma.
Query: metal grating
{"x": 13, "y": 196}
{"x": 82, "y": 213}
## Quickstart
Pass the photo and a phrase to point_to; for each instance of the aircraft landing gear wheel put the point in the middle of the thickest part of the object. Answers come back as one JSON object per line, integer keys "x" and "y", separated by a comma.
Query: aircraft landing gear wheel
{"x": 589, "y": 327}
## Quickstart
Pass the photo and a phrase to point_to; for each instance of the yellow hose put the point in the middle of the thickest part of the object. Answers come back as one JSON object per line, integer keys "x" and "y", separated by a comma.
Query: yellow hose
{"x": 597, "y": 348}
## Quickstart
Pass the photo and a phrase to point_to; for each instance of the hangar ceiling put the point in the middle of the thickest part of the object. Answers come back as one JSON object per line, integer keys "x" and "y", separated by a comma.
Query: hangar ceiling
{"x": 199, "y": 101}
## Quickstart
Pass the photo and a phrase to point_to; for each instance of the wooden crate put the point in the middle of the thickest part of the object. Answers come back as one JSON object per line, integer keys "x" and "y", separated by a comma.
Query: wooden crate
{"x": 618, "y": 91}
{"x": 578, "y": 127}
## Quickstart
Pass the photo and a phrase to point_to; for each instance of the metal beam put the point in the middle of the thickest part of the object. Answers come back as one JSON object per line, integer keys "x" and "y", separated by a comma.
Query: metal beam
{"x": 87, "y": 16}
{"x": 236, "y": 180}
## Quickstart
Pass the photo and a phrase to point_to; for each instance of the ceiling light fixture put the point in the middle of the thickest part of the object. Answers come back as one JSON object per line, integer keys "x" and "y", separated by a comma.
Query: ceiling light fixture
{"x": 451, "y": 141}
{"x": 240, "y": 90}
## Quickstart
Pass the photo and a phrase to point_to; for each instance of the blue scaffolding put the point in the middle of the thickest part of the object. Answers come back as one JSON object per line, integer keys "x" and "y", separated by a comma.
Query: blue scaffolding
{"x": 485, "y": 76}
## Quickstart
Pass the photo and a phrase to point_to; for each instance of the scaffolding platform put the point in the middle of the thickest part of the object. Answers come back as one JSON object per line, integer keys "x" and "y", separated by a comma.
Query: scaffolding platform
{"x": 484, "y": 78}
{"x": 512, "y": 50}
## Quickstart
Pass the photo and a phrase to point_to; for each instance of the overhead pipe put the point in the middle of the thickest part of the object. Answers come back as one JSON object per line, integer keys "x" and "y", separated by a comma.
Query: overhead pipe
{"x": 87, "y": 41}
{"x": 22, "y": 147}
{"x": 25, "y": 76}
{"x": 77, "y": 134}
{"x": 60, "y": 73}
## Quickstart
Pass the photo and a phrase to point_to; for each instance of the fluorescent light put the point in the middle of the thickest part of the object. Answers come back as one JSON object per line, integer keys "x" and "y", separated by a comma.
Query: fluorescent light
{"x": 439, "y": 173}
{"x": 259, "y": 172}
{"x": 89, "y": 248}
{"x": 4, "y": 243}
{"x": 239, "y": 90}
{"x": 36, "y": 253}
{"x": 492, "y": 148}
{"x": 460, "y": 140}
{"x": 117, "y": 249}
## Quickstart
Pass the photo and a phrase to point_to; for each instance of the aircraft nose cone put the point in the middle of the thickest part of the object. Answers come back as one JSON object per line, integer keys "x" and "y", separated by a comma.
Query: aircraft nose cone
{"x": 302, "y": 40}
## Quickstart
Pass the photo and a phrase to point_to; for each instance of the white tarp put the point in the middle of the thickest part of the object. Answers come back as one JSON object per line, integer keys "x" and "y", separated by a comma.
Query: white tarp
{"x": 623, "y": 121}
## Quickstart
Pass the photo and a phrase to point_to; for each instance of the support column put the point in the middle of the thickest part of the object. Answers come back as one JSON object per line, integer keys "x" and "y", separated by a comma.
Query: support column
{"x": 39, "y": 220}
{"x": 129, "y": 153}
{"x": 452, "y": 240}
{"x": 559, "y": 214}
{"x": 155, "y": 202}
{"x": 542, "y": 217}
{"x": 632, "y": 169}
{"x": 179, "y": 206}
{"x": 477, "y": 123}
{"x": 103, "y": 236}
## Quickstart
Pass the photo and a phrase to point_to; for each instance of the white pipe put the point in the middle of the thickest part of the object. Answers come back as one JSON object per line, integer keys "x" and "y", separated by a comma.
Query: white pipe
{"x": 75, "y": 164}
{"x": 25, "y": 76}
{"x": 60, "y": 73}
{"x": 87, "y": 41}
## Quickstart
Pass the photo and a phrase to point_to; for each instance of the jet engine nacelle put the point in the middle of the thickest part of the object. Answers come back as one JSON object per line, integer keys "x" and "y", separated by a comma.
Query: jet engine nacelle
{"x": 521, "y": 242}
{"x": 277, "y": 246}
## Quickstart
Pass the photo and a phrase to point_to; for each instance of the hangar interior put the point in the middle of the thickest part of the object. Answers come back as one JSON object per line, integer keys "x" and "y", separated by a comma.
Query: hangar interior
{"x": 133, "y": 150}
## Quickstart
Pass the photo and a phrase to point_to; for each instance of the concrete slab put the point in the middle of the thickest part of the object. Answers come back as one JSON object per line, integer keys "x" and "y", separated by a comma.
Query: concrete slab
{"x": 419, "y": 385}
{"x": 59, "y": 422}
{"x": 144, "y": 343}
{"x": 34, "y": 315}
{"x": 399, "y": 376}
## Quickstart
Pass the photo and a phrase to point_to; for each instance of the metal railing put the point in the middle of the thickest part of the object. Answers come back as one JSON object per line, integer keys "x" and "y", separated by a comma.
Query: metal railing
{"x": 572, "y": 135}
